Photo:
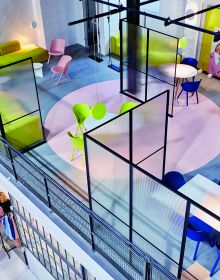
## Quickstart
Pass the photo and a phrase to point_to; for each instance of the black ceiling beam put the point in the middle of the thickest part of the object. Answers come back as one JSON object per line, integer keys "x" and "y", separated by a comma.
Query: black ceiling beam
{"x": 119, "y": 9}
{"x": 111, "y": 12}
{"x": 196, "y": 13}
{"x": 167, "y": 21}
{"x": 147, "y": 2}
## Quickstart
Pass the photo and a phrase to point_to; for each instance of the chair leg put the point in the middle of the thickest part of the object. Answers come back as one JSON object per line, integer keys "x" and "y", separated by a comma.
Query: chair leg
{"x": 196, "y": 251}
{"x": 187, "y": 98}
{"x": 72, "y": 154}
{"x": 68, "y": 77}
{"x": 81, "y": 129}
{"x": 48, "y": 61}
{"x": 197, "y": 98}
{"x": 59, "y": 79}
{"x": 214, "y": 267}
{"x": 179, "y": 94}
{"x": 83, "y": 159}
{"x": 76, "y": 130}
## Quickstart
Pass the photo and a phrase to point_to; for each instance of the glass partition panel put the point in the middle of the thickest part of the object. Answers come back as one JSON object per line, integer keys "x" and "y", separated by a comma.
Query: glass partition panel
{"x": 149, "y": 122}
{"x": 158, "y": 220}
{"x": 19, "y": 106}
{"x": 114, "y": 135}
{"x": 162, "y": 55}
{"x": 109, "y": 184}
{"x": 134, "y": 59}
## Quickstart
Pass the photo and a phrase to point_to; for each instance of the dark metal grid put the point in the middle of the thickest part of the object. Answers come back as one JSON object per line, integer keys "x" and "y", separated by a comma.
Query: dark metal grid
{"x": 34, "y": 236}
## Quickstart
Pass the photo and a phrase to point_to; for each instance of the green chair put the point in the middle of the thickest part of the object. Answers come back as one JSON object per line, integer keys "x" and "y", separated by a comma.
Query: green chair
{"x": 127, "y": 106}
{"x": 81, "y": 111}
{"x": 78, "y": 144}
{"x": 98, "y": 111}
{"x": 183, "y": 43}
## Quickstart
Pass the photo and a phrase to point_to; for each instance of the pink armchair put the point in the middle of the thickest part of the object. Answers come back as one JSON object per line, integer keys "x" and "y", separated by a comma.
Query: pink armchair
{"x": 62, "y": 67}
{"x": 57, "y": 48}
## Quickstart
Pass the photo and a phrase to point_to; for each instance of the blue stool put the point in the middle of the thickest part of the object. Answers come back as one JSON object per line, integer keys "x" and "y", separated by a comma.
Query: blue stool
{"x": 190, "y": 61}
{"x": 190, "y": 87}
{"x": 174, "y": 180}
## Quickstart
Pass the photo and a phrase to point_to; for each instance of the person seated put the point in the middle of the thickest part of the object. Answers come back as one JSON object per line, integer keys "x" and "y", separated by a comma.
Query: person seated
{"x": 214, "y": 62}
{"x": 5, "y": 203}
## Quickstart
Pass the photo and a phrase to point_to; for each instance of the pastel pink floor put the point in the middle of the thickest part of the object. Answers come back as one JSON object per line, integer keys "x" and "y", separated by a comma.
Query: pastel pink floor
{"x": 193, "y": 133}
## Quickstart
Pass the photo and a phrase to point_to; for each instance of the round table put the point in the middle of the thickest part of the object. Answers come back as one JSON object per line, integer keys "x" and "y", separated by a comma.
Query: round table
{"x": 38, "y": 69}
{"x": 183, "y": 71}
{"x": 91, "y": 123}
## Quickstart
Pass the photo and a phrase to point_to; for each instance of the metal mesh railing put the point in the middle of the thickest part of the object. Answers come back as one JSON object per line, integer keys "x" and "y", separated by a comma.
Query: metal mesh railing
{"x": 117, "y": 250}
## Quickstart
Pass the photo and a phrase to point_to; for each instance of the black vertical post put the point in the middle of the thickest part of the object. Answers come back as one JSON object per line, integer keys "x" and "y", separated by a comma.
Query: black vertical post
{"x": 165, "y": 134}
{"x": 47, "y": 191}
{"x": 130, "y": 174}
{"x": 183, "y": 244}
{"x": 175, "y": 84}
{"x": 147, "y": 61}
{"x": 132, "y": 44}
{"x": 89, "y": 190}
{"x": 83, "y": 272}
{"x": 38, "y": 102}
{"x": 8, "y": 148}
{"x": 147, "y": 271}
{"x": 121, "y": 54}
{"x": 2, "y": 127}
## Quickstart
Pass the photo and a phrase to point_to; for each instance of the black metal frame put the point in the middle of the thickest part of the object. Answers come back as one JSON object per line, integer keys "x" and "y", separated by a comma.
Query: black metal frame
{"x": 38, "y": 110}
{"x": 167, "y": 21}
{"x": 41, "y": 236}
{"x": 122, "y": 90}
{"x": 131, "y": 168}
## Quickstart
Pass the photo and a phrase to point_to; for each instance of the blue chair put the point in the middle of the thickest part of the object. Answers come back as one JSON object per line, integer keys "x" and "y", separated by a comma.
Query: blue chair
{"x": 174, "y": 180}
{"x": 190, "y": 87}
{"x": 198, "y": 236}
{"x": 198, "y": 224}
{"x": 217, "y": 260}
{"x": 190, "y": 61}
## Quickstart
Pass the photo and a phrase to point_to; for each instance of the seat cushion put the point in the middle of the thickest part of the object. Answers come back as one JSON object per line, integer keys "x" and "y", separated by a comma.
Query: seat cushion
{"x": 9, "y": 47}
{"x": 198, "y": 224}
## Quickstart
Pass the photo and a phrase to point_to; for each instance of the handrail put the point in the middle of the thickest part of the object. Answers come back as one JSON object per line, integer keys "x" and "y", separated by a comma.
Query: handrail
{"x": 78, "y": 202}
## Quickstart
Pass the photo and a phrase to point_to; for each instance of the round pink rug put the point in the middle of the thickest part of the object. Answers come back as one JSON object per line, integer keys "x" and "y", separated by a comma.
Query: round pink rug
{"x": 193, "y": 132}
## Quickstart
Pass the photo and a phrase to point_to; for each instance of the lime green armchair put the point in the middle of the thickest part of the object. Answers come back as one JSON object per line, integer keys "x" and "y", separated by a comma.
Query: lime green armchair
{"x": 161, "y": 51}
{"x": 12, "y": 51}
{"x": 22, "y": 132}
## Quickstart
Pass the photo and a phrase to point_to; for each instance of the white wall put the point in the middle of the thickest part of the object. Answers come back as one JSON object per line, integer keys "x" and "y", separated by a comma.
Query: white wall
{"x": 37, "y": 269}
{"x": 65, "y": 241}
{"x": 15, "y": 19}
{"x": 56, "y": 14}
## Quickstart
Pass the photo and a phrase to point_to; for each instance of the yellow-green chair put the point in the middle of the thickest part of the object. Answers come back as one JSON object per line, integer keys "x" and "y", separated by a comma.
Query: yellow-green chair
{"x": 127, "y": 106}
{"x": 81, "y": 111}
{"x": 183, "y": 43}
{"x": 78, "y": 144}
{"x": 98, "y": 111}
